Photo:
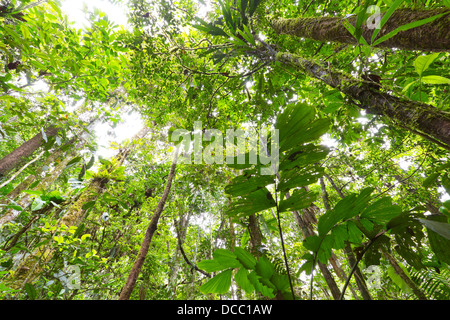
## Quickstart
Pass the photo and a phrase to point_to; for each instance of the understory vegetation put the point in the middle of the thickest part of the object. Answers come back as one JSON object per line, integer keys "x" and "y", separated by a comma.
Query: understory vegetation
{"x": 118, "y": 177}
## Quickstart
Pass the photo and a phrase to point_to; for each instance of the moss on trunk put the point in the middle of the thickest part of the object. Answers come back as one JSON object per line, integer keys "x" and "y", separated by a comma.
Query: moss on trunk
{"x": 414, "y": 115}
{"x": 433, "y": 36}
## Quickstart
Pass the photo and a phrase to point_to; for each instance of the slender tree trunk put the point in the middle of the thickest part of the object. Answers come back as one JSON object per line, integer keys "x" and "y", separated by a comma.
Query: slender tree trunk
{"x": 419, "y": 294}
{"x": 416, "y": 116}
{"x": 396, "y": 267}
{"x": 13, "y": 159}
{"x": 136, "y": 269}
{"x": 432, "y": 36}
{"x": 306, "y": 230}
{"x": 25, "y": 199}
{"x": 30, "y": 266}
{"x": 181, "y": 227}
{"x": 255, "y": 235}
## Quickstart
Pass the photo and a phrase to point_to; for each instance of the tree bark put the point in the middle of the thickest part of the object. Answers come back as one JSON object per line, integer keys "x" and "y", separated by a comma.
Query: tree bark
{"x": 432, "y": 36}
{"x": 30, "y": 266}
{"x": 306, "y": 230}
{"x": 419, "y": 294}
{"x": 136, "y": 269}
{"x": 25, "y": 199}
{"x": 255, "y": 235}
{"x": 416, "y": 116}
{"x": 13, "y": 159}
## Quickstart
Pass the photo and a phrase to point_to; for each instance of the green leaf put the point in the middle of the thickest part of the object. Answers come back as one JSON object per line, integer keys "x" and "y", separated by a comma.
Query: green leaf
{"x": 340, "y": 236}
{"x": 38, "y": 204}
{"x": 381, "y": 210}
{"x": 226, "y": 258}
{"x": 219, "y": 284}
{"x": 210, "y": 265}
{"x": 264, "y": 268}
{"x": 260, "y": 286}
{"x": 73, "y": 161}
{"x": 88, "y": 205}
{"x": 79, "y": 230}
{"x": 90, "y": 163}
{"x": 326, "y": 245}
{"x": 407, "y": 26}
{"x": 299, "y": 199}
{"x": 31, "y": 291}
{"x": 398, "y": 280}
{"x": 422, "y": 63}
{"x": 33, "y": 192}
{"x": 354, "y": 234}
{"x": 386, "y": 17}
{"x": 312, "y": 243}
{"x": 353, "y": 31}
{"x": 243, "y": 185}
{"x": 280, "y": 281}
{"x": 245, "y": 258}
{"x": 435, "y": 80}
{"x": 241, "y": 278}
{"x": 252, "y": 203}
{"x": 440, "y": 228}
{"x": 439, "y": 244}
{"x": 430, "y": 179}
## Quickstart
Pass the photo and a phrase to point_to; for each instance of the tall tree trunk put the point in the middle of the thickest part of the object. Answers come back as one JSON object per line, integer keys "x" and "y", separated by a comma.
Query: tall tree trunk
{"x": 398, "y": 270}
{"x": 432, "y": 36}
{"x": 306, "y": 230}
{"x": 13, "y": 159}
{"x": 255, "y": 235}
{"x": 25, "y": 199}
{"x": 136, "y": 269}
{"x": 30, "y": 266}
{"x": 416, "y": 116}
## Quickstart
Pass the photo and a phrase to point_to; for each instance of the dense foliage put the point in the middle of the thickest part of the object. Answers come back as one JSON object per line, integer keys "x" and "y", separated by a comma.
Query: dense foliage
{"x": 342, "y": 191}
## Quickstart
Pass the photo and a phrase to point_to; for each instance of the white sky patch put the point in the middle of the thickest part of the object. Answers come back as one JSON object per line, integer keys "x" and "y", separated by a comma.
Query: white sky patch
{"x": 106, "y": 134}
{"x": 74, "y": 11}
{"x": 328, "y": 141}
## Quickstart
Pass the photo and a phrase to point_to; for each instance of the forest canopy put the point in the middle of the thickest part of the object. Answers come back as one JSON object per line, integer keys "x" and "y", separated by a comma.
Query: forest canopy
{"x": 225, "y": 150}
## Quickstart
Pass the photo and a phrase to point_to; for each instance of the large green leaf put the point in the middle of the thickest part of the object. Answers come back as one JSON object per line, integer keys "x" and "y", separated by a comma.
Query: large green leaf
{"x": 422, "y": 63}
{"x": 298, "y": 200}
{"x": 218, "y": 284}
{"x": 245, "y": 258}
{"x": 435, "y": 80}
{"x": 260, "y": 285}
{"x": 264, "y": 268}
{"x": 299, "y": 178}
{"x": 347, "y": 208}
{"x": 244, "y": 184}
{"x": 31, "y": 291}
{"x": 302, "y": 156}
{"x": 252, "y": 203}
{"x": 226, "y": 258}
{"x": 210, "y": 265}
{"x": 381, "y": 210}
{"x": 241, "y": 278}
{"x": 441, "y": 228}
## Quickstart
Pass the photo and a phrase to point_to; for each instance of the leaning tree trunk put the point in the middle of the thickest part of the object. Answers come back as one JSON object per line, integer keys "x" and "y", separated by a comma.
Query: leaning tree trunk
{"x": 416, "y": 116}
{"x": 432, "y": 36}
{"x": 137, "y": 266}
{"x": 13, "y": 159}
{"x": 30, "y": 267}
{"x": 25, "y": 199}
